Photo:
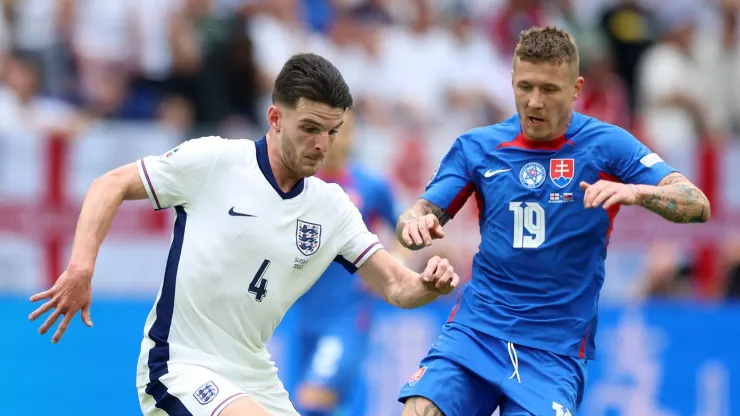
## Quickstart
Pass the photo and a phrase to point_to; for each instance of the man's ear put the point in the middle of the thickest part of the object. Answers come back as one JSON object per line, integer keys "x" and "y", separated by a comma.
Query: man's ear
{"x": 273, "y": 117}
{"x": 577, "y": 88}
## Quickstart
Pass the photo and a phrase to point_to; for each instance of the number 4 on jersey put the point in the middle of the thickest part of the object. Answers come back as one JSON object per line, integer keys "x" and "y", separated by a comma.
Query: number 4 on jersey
{"x": 530, "y": 217}
{"x": 258, "y": 286}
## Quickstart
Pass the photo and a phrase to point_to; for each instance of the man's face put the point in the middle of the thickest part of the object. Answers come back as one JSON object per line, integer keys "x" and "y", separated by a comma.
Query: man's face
{"x": 544, "y": 94}
{"x": 305, "y": 134}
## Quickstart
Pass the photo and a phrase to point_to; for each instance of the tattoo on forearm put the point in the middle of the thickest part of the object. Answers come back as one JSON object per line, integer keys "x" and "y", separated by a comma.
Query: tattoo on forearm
{"x": 421, "y": 208}
{"x": 677, "y": 200}
{"x": 423, "y": 407}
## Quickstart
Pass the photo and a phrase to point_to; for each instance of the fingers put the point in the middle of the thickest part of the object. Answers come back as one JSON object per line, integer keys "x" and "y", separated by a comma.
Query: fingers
{"x": 440, "y": 270}
{"x": 430, "y": 270}
{"x": 414, "y": 232}
{"x": 51, "y": 320}
{"x": 424, "y": 232}
{"x": 446, "y": 278}
{"x": 43, "y": 295}
{"x": 62, "y": 328}
{"x": 613, "y": 200}
{"x": 592, "y": 192}
{"x": 438, "y": 232}
{"x": 601, "y": 196}
{"x": 434, "y": 227}
{"x": 40, "y": 311}
{"x": 584, "y": 185}
{"x": 406, "y": 236}
{"x": 441, "y": 274}
{"x": 85, "y": 315}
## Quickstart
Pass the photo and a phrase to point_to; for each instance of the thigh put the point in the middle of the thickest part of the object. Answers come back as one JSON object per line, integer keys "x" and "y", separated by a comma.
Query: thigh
{"x": 274, "y": 399}
{"x": 457, "y": 375}
{"x": 550, "y": 384}
{"x": 186, "y": 391}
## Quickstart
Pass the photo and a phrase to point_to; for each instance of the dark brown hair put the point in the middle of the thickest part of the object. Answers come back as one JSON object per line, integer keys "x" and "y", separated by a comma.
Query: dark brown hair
{"x": 314, "y": 78}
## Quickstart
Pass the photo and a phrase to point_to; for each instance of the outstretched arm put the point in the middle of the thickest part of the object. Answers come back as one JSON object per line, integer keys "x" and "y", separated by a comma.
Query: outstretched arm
{"x": 98, "y": 209}
{"x": 72, "y": 291}
{"x": 675, "y": 198}
{"x": 175, "y": 178}
{"x": 404, "y": 288}
{"x": 420, "y": 224}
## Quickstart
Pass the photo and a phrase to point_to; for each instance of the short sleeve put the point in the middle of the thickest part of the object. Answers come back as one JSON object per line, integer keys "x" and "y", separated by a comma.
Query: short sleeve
{"x": 451, "y": 184}
{"x": 179, "y": 177}
{"x": 356, "y": 244}
{"x": 632, "y": 162}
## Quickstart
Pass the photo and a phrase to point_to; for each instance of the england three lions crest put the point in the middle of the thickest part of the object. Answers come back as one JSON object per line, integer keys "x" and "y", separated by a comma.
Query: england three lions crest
{"x": 562, "y": 171}
{"x": 307, "y": 237}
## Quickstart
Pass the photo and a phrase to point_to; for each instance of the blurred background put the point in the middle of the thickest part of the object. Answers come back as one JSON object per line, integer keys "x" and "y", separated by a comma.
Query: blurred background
{"x": 88, "y": 85}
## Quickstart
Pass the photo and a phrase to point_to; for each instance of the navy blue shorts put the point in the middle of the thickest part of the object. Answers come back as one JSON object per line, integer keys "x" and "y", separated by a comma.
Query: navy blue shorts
{"x": 468, "y": 373}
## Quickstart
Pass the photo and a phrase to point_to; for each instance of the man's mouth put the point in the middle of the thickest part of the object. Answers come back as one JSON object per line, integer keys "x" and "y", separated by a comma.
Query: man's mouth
{"x": 536, "y": 121}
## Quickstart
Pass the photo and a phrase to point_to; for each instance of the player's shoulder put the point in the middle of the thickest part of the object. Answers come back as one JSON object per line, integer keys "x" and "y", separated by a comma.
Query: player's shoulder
{"x": 491, "y": 135}
{"x": 324, "y": 192}
{"x": 212, "y": 145}
{"x": 586, "y": 130}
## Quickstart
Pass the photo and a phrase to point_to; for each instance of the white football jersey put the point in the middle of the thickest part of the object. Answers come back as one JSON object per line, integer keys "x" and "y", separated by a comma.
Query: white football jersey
{"x": 243, "y": 251}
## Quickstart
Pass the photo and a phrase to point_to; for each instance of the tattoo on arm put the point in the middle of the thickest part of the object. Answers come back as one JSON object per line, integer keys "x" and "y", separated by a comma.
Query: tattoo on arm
{"x": 676, "y": 199}
{"x": 421, "y": 207}
{"x": 420, "y": 406}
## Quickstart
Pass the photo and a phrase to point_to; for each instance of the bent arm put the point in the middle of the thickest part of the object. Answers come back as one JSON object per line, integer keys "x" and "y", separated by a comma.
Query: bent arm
{"x": 101, "y": 203}
{"x": 675, "y": 198}
{"x": 396, "y": 284}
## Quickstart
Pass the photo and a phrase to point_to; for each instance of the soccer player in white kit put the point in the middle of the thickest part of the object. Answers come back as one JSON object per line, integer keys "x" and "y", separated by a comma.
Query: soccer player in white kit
{"x": 253, "y": 231}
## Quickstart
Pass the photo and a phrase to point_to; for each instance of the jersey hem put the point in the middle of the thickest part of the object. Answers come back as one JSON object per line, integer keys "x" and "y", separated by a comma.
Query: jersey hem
{"x": 590, "y": 355}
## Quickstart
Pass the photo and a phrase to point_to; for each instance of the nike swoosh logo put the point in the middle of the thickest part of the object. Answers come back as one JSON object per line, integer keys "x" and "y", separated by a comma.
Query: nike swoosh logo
{"x": 490, "y": 172}
{"x": 238, "y": 214}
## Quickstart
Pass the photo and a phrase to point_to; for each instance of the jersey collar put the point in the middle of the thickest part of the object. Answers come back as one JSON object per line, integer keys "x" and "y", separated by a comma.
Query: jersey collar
{"x": 264, "y": 163}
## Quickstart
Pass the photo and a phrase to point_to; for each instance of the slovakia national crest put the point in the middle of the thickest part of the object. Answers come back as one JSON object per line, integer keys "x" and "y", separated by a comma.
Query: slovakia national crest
{"x": 307, "y": 237}
{"x": 206, "y": 393}
{"x": 532, "y": 175}
{"x": 562, "y": 171}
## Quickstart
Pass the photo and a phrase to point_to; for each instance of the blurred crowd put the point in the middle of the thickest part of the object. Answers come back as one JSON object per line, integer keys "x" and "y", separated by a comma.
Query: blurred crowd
{"x": 666, "y": 69}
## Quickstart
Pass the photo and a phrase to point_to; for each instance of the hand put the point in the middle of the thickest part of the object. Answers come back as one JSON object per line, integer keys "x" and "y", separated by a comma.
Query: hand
{"x": 440, "y": 276}
{"x": 608, "y": 194}
{"x": 71, "y": 292}
{"x": 419, "y": 232}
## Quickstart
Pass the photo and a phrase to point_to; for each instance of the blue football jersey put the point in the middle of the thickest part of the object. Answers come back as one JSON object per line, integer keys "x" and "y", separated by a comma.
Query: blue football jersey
{"x": 337, "y": 292}
{"x": 540, "y": 265}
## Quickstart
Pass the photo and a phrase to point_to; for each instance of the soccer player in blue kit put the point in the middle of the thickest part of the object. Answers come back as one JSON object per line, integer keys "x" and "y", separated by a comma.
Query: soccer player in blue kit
{"x": 335, "y": 314}
{"x": 549, "y": 183}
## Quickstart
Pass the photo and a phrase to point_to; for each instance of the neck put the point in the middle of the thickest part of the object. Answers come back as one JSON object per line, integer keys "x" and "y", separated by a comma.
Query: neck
{"x": 285, "y": 178}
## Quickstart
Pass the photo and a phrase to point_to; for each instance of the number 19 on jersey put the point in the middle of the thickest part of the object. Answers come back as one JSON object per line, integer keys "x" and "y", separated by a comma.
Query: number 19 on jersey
{"x": 529, "y": 216}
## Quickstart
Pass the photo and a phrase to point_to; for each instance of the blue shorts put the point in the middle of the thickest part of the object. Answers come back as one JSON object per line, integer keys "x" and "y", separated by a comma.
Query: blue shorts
{"x": 468, "y": 373}
{"x": 333, "y": 357}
